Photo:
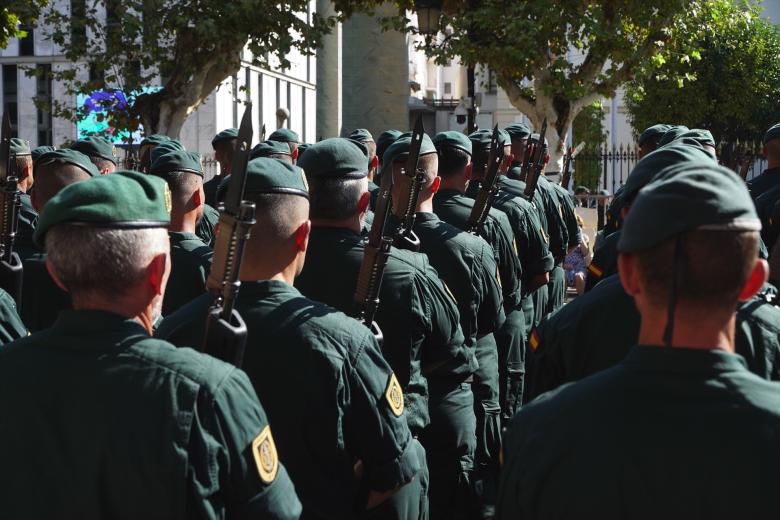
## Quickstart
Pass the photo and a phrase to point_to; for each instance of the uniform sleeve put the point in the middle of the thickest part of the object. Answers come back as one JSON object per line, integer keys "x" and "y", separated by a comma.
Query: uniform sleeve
{"x": 235, "y": 470}
{"x": 535, "y": 254}
{"x": 546, "y": 370}
{"x": 570, "y": 218}
{"x": 11, "y": 326}
{"x": 490, "y": 315}
{"x": 377, "y": 421}
{"x": 509, "y": 267}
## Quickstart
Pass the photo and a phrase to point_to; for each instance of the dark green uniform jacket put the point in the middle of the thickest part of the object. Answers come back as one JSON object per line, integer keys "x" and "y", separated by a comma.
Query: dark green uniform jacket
{"x": 210, "y": 188}
{"x": 764, "y": 182}
{"x": 596, "y": 330}
{"x": 28, "y": 218}
{"x": 190, "y": 265}
{"x": 42, "y": 299}
{"x": 668, "y": 433}
{"x": 418, "y": 317}
{"x": 102, "y": 421}
{"x": 605, "y": 261}
{"x": 207, "y": 225}
{"x": 11, "y": 326}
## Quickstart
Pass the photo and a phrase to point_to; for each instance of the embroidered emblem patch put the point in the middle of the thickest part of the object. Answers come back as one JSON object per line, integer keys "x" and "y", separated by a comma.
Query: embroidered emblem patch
{"x": 168, "y": 198}
{"x": 395, "y": 396}
{"x": 266, "y": 458}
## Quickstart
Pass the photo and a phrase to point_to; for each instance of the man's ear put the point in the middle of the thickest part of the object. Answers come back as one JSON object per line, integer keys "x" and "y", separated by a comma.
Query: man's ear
{"x": 197, "y": 199}
{"x": 302, "y": 236}
{"x": 624, "y": 212}
{"x": 469, "y": 171}
{"x": 105, "y": 171}
{"x": 50, "y": 270}
{"x": 374, "y": 163}
{"x": 363, "y": 203}
{"x": 547, "y": 159}
{"x": 755, "y": 281}
{"x": 294, "y": 155}
{"x": 155, "y": 273}
{"x": 629, "y": 276}
{"x": 436, "y": 184}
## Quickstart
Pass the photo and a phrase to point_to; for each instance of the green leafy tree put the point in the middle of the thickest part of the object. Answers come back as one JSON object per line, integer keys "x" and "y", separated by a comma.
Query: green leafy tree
{"x": 730, "y": 86}
{"x": 187, "y": 48}
{"x": 554, "y": 58}
{"x": 16, "y": 16}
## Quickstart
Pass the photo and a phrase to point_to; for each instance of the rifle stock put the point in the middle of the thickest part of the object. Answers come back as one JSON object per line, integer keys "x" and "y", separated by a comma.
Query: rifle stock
{"x": 11, "y": 269}
{"x": 488, "y": 187}
{"x": 410, "y": 181}
{"x": 536, "y": 164}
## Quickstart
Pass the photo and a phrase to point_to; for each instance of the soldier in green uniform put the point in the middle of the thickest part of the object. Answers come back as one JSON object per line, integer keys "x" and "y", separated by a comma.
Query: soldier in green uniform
{"x": 423, "y": 341}
{"x": 145, "y": 150}
{"x": 271, "y": 149}
{"x": 452, "y": 206}
{"x": 190, "y": 256}
{"x": 466, "y": 265}
{"x": 646, "y": 437}
{"x": 100, "y": 151}
{"x": 648, "y": 139}
{"x": 287, "y": 136}
{"x": 42, "y": 300}
{"x": 120, "y": 424}
{"x": 224, "y": 144}
{"x": 769, "y": 178}
{"x": 336, "y": 406}
{"x": 22, "y": 158}
{"x": 37, "y": 152}
{"x": 364, "y": 137}
{"x": 672, "y": 134}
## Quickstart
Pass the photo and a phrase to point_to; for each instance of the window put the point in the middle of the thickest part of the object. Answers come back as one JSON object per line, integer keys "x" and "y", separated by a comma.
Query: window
{"x": 43, "y": 97}
{"x": 492, "y": 86}
{"x": 447, "y": 88}
{"x": 27, "y": 44}
{"x": 10, "y": 86}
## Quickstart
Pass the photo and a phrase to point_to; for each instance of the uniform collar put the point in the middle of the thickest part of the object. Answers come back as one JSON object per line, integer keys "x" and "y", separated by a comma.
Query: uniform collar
{"x": 264, "y": 288}
{"x": 427, "y": 217}
{"x": 181, "y": 236}
{"x": 334, "y": 232}
{"x": 447, "y": 193}
{"x": 771, "y": 171}
{"x": 95, "y": 323}
{"x": 682, "y": 360}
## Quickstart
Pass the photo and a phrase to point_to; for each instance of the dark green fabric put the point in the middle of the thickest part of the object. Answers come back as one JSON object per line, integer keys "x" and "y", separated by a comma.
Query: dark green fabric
{"x": 28, "y": 220}
{"x": 384, "y": 141}
{"x": 769, "y": 179}
{"x": 19, "y": 147}
{"x": 685, "y": 197}
{"x": 399, "y": 151}
{"x": 772, "y": 134}
{"x": 37, "y": 152}
{"x": 154, "y": 140}
{"x": 122, "y": 199}
{"x": 11, "y": 325}
{"x": 518, "y": 131}
{"x": 672, "y": 134}
{"x": 264, "y": 175}
{"x": 605, "y": 261}
{"x": 227, "y": 134}
{"x": 322, "y": 380}
{"x": 269, "y": 149}
{"x": 67, "y": 156}
{"x": 703, "y": 137}
{"x": 661, "y": 435}
{"x": 177, "y": 161}
{"x": 207, "y": 225}
{"x": 654, "y": 132}
{"x": 42, "y": 299}
{"x": 210, "y": 188}
{"x": 481, "y": 139}
{"x": 126, "y": 426}
{"x": 284, "y": 135}
{"x": 334, "y": 158}
{"x": 190, "y": 266}
{"x": 361, "y": 135}
{"x": 453, "y": 139}
{"x": 96, "y": 147}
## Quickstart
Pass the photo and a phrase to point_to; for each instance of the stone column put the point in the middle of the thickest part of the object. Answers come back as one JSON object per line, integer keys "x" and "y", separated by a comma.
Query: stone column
{"x": 329, "y": 93}
{"x": 375, "y": 74}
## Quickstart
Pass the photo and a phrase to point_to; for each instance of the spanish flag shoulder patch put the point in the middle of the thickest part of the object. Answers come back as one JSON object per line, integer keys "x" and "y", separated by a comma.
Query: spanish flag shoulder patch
{"x": 595, "y": 270}
{"x": 534, "y": 341}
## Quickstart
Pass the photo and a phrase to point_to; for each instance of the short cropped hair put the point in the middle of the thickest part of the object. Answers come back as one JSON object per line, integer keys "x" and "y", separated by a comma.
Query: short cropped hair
{"x": 55, "y": 175}
{"x": 429, "y": 163}
{"x": 716, "y": 266}
{"x": 335, "y": 199}
{"x": 182, "y": 185}
{"x": 102, "y": 164}
{"x": 107, "y": 262}
{"x": 278, "y": 216}
{"x": 452, "y": 161}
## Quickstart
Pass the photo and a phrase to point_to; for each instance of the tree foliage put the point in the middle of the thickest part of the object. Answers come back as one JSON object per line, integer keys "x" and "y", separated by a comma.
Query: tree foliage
{"x": 186, "y": 47}
{"x": 730, "y": 86}
{"x": 17, "y": 15}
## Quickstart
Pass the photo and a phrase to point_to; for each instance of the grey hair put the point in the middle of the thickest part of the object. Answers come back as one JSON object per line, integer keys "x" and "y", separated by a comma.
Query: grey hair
{"x": 103, "y": 261}
{"x": 335, "y": 199}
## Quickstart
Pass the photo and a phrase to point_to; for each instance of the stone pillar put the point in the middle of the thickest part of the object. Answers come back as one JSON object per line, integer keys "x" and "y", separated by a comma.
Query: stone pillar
{"x": 375, "y": 74}
{"x": 329, "y": 104}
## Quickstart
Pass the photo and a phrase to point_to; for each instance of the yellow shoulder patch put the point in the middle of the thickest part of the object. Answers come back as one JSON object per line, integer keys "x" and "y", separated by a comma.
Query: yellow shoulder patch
{"x": 168, "y": 198}
{"x": 266, "y": 458}
{"x": 534, "y": 341}
{"x": 395, "y": 396}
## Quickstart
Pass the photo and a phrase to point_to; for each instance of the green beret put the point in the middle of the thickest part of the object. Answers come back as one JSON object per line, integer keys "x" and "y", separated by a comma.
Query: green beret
{"x": 122, "y": 200}
{"x": 177, "y": 161}
{"x": 336, "y": 157}
{"x": 399, "y": 151}
{"x": 96, "y": 147}
{"x": 452, "y": 139}
{"x": 651, "y": 165}
{"x": 302, "y": 148}
{"x": 518, "y": 131}
{"x": 654, "y": 132}
{"x": 68, "y": 156}
{"x": 672, "y": 134}
{"x": 481, "y": 139}
{"x": 772, "y": 134}
{"x": 702, "y": 136}
{"x": 360, "y": 144}
{"x": 535, "y": 137}
{"x": 385, "y": 139}
{"x": 154, "y": 140}
{"x": 284, "y": 135}
{"x": 361, "y": 135}
{"x": 225, "y": 135}
{"x": 19, "y": 147}
{"x": 174, "y": 145}
{"x": 687, "y": 197}
{"x": 269, "y": 148}
{"x": 265, "y": 175}
{"x": 37, "y": 152}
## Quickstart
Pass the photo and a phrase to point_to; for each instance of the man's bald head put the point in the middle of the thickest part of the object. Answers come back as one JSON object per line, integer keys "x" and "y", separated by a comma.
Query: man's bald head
{"x": 53, "y": 177}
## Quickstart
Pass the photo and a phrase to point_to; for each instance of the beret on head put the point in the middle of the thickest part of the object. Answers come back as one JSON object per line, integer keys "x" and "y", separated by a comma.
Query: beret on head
{"x": 772, "y": 134}
{"x": 284, "y": 135}
{"x": 361, "y": 135}
{"x": 68, "y": 156}
{"x": 704, "y": 137}
{"x": 360, "y": 144}
{"x": 20, "y": 147}
{"x": 651, "y": 165}
{"x": 154, "y": 140}
{"x": 672, "y": 134}
{"x": 121, "y": 200}
{"x": 452, "y": 139}
{"x": 37, "y": 152}
{"x": 654, "y": 132}
{"x": 302, "y": 147}
{"x": 269, "y": 148}
{"x": 385, "y": 139}
{"x": 481, "y": 139}
{"x": 518, "y": 131}
{"x": 225, "y": 135}
{"x": 399, "y": 151}
{"x": 174, "y": 145}
{"x": 535, "y": 137}
{"x": 336, "y": 157}
{"x": 96, "y": 147}
{"x": 177, "y": 161}
{"x": 265, "y": 175}
{"x": 687, "y": 197}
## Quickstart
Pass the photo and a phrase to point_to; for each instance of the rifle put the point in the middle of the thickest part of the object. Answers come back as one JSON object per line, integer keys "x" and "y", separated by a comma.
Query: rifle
{"x": 10, "y": 204}
{"x": 262, "y": 134}
{"x": 537, "y": 163}
{"x": 566, "y": 177}
{"x": 527, "y": 154}
{"x": 226, "y": 331}
{"x": 410, "y": 181}
{"x": 375, "y": 255}
{"x": 487, "y": 188}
